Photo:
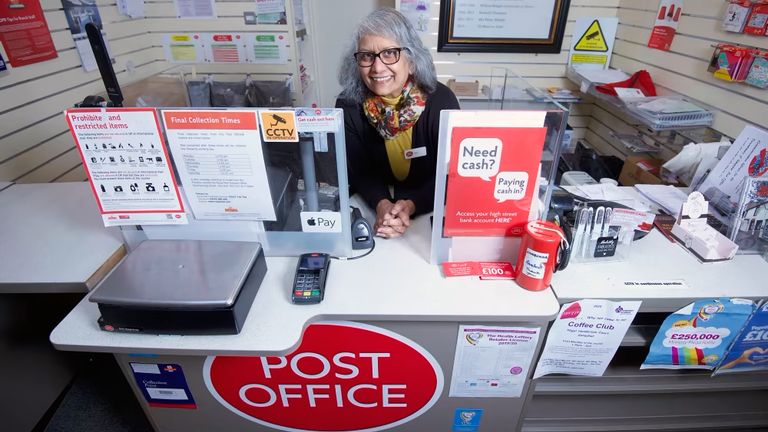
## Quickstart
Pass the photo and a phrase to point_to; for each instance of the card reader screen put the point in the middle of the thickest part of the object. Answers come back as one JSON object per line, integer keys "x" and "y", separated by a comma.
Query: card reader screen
{"x": 313, "y": 262}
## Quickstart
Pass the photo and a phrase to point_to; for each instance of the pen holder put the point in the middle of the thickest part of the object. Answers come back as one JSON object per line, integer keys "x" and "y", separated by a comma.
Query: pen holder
{"x": 598, "y": 236}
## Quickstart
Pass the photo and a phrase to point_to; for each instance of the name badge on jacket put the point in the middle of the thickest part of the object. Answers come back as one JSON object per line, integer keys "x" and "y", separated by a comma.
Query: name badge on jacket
{"x": 415, "y": 153}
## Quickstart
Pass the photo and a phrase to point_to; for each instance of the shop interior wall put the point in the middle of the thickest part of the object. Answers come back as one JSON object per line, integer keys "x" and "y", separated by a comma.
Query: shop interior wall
{"x": 541, "y": 70}
{"x": 682, "y": 70}
{"x": 35, "y": 145}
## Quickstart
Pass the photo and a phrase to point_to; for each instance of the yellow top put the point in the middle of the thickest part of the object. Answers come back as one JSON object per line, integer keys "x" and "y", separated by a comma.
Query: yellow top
{"x": 397, "y": 146}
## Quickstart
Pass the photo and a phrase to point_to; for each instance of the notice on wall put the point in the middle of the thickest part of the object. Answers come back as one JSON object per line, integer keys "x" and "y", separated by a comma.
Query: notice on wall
{"x": 585, "y": 336}
{"x": 492, "y": 361}
{"x": 520, "y": 19}
{"x": 592, "y": 44}
{"x": 24, "y": 33}
{"x": 131, "y": 8}
{"x": 195, "y": 9}
{"x": 127, "y": 164}
{"x": 665, "y": 27}
{"x": 267, "y": 48}
{"x": 183, "y": 48}
{"x": 417, "y": 12}
{"x": 79, "y": 13}
{"x": 224, "y": 47}
{"x": 221, "y": 164}
{"x": 492, "y": 177}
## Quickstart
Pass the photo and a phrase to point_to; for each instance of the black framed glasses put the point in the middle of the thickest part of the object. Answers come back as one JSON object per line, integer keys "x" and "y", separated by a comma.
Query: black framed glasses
{"x": 387, "y": 56}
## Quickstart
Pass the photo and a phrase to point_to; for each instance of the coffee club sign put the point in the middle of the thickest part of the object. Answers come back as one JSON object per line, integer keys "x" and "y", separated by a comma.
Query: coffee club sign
{"x": 344, "y": 376}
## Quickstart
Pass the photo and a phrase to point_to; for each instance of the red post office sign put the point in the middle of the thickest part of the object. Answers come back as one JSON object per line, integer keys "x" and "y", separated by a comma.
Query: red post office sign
{"x": 344, "y": 376}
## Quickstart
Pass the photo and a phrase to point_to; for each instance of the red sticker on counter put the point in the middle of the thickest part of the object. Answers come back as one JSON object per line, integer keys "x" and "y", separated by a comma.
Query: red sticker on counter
{"x": 487, "y": 270}
{"x": 343, "y": 377}
{"x": 496, "y": 270}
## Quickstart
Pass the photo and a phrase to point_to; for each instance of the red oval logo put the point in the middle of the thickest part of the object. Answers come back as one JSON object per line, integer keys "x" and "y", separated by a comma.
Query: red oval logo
{"x": 344, "y": 376}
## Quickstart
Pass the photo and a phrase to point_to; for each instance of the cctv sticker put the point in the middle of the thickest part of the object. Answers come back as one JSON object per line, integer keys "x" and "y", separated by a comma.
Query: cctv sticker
{"x": 321, "y": 222}
{"x": 278, "y": 126}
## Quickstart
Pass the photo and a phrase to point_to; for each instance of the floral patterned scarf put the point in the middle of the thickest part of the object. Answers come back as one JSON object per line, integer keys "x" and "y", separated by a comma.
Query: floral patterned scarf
{"x": 389, "y": 120}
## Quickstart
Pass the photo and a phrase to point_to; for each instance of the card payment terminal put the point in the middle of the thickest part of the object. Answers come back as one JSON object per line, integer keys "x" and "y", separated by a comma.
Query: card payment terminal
{"x": 309, "y": 282}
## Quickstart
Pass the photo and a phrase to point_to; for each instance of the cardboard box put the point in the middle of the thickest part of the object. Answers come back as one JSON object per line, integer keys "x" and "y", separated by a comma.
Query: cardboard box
{"x": 460, "y": 88}
{"x": 641, "y": 170}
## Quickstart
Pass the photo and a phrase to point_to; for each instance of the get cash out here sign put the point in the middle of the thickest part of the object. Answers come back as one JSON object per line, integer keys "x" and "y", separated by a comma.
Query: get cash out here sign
{"x": 344, "y": 376}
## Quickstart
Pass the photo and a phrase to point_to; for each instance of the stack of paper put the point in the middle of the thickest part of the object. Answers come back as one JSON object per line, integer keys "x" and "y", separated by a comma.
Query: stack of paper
{"x": 669, "y": 198}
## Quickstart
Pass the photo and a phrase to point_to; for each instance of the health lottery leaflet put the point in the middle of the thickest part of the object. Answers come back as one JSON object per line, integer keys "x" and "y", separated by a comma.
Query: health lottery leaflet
{"x": 221, "y": 163}
{"x": 492, "y": 178}
{"x": 127, "y": 165}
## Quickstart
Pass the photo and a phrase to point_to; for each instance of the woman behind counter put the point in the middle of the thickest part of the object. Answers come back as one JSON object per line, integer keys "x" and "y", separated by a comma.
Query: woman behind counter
{"x": 392, "y": 102}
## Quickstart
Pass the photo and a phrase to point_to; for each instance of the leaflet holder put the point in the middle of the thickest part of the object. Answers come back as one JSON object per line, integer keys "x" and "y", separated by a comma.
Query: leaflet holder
{"x": 494, "y": 171}
{"x": 306, "y": 179}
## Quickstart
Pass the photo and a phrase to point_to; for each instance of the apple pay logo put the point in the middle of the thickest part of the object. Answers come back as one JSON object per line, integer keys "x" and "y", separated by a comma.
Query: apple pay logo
{"x": 321, "y": 221}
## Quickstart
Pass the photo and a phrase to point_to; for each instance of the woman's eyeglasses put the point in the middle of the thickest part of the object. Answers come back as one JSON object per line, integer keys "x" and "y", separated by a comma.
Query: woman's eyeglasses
{"x": 388, "y": 56}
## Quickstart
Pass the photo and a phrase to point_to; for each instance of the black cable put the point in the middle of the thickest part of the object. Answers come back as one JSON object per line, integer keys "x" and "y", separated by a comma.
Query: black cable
{"x": 373, "y": 246}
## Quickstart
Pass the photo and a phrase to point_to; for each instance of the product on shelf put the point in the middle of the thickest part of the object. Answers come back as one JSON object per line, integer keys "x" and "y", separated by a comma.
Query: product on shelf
{"x": 750, "y": 350}
{"x": 736, "y": 15}
{"x": 758, "y": 19}
{"x": 758, "y": 73}
{"x": 731, "y": 62}
{"x": 698, "y": 335}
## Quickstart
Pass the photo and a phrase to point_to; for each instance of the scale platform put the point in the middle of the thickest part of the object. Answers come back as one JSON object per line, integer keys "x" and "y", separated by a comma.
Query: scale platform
{"x": 191, "y": 287}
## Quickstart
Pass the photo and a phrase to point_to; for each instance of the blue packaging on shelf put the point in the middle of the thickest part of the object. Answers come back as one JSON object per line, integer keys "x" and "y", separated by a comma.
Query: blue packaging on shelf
{"x": 698, "y": 335}
{"x": 750, "y": 350}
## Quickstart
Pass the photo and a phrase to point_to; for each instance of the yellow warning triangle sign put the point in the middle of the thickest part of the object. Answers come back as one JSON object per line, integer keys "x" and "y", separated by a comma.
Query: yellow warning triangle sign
{"x": 592, "y": 39}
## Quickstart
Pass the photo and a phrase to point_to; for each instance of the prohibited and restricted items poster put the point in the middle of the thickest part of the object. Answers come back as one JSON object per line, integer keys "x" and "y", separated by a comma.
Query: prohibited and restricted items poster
{"x": 127, "y": 165}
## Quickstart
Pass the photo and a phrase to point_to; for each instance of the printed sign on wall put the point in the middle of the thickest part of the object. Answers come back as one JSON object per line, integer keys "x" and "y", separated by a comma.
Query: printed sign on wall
{"x": 592, "y": 44}
{"x": 344, "y": 376}
{"x": 664, "y": 29}
{"x": 24, "y": 32}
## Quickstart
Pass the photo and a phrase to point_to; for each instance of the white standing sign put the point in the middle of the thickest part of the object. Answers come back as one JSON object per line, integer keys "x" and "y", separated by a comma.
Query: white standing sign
{"x": 585, "y": 336}
{"x": 492, "y": 361}
{"x": 220, "y": 162}
{"x": 127, "y": 165}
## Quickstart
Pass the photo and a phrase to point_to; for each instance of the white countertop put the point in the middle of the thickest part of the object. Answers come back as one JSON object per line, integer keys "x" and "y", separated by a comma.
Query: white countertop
{"x": 655, "y": 258}
{"x": 52, "y": 238}
{"x": 394, "y": 283}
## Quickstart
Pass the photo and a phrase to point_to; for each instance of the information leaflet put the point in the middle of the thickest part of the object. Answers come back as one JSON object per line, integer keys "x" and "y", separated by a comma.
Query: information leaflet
{"x": 127, "y": 165}
{"x": 221, "y": 164}
{"x": 585, "y": 336}
{"x": 492, "y": 361}
{"x": 491, "y": 180}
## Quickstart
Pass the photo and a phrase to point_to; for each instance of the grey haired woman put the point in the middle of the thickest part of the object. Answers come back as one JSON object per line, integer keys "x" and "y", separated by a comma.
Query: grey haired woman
{"x": 392, "y": 102}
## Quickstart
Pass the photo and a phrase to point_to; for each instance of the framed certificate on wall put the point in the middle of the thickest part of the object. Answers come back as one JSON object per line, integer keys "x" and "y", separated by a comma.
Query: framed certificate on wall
{"x": 523, "y": 26}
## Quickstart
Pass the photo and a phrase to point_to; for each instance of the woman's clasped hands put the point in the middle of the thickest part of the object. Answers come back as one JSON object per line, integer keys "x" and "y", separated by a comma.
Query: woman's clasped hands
{"x": 393, "y": 218}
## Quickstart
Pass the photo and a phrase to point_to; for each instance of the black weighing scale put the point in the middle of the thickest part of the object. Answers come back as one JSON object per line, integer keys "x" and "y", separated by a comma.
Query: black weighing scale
{"x": 187, "y": 287}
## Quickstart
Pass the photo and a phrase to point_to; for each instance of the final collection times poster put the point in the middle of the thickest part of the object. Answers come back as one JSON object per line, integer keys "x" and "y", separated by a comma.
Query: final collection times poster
{"x": 492, "y": 179}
